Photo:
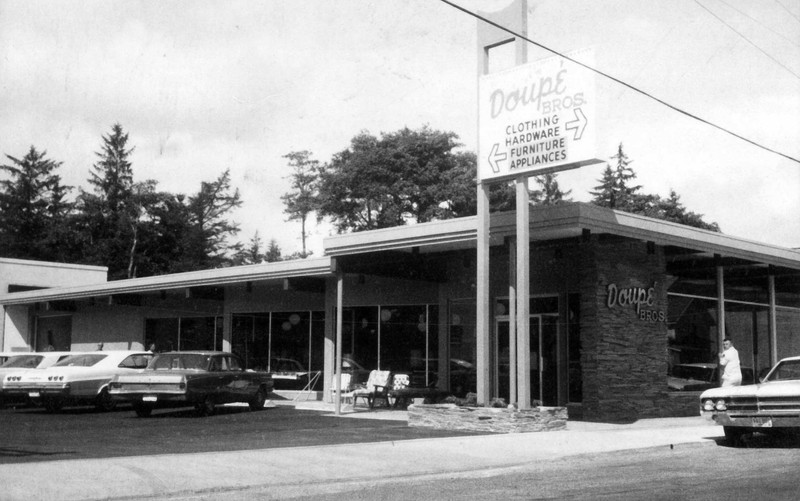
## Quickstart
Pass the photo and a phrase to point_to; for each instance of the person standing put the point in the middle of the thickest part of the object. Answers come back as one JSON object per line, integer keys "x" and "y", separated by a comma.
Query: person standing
{"x": 729, "y": 361}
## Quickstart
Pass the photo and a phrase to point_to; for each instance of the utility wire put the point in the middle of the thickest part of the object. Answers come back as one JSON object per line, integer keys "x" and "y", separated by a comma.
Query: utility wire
{"x": 617, "y": 80}
{"x": 787, "y": 10}
{"x": 746, "y": 39}
{"x": 748, "y": 16}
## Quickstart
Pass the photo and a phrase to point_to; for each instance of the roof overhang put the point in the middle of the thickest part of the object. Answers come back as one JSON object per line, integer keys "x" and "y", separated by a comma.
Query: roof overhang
{"x": 206, "y": 278}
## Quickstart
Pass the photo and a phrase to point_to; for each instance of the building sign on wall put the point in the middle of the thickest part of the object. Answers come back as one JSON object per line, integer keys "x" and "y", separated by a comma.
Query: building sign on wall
{"x": 640, "y": 298}
{"x": 536, "y": 118}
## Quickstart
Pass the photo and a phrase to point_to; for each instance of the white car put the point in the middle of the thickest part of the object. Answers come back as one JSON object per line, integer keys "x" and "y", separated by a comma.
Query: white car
{"x": 29, "y": 361}
{"x": 78, "y": 379}
{"x": 771, "y": 405}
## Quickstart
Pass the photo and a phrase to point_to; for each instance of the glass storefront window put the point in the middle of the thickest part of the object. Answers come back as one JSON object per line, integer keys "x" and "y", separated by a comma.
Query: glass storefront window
{"x": 289, "y": 344}
{"x": 184, "y": 333}
{"x": 397, "y": 338}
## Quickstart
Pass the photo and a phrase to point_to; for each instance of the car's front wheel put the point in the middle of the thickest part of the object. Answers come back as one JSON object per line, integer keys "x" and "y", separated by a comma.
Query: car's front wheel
{"x": 734, "y": 434}
{"x": 257, "y": 402}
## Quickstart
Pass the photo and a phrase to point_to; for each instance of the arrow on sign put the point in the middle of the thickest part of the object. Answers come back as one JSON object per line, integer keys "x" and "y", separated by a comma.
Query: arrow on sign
{"x": 495, "y": 157}
{"x": 579, "y": 125}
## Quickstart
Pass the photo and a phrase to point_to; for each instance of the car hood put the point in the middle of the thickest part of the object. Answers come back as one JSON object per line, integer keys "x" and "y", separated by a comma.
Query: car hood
{"x": 762, "y": 390}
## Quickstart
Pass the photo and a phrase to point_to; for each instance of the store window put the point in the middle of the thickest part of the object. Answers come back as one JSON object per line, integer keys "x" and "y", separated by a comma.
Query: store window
{"x": 693, "y": 337}
{"x": 288, "y": 344}
{"x": 183, "y": 333}
{"x": 397, "y": 338}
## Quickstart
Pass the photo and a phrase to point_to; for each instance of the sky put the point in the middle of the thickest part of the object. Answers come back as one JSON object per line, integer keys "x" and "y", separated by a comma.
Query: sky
{"x": 204, "y": 86}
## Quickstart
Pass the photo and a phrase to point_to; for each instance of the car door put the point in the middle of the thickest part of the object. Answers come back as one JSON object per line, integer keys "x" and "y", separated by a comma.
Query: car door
{"x": 244, "y": 385}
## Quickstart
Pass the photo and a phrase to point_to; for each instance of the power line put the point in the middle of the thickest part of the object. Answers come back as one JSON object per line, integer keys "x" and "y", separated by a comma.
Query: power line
{"x": 748, "y": 16}
{"x": 787, "y": 10}
{"x": 746, "y": 39}
{"x": 617, "y": 80}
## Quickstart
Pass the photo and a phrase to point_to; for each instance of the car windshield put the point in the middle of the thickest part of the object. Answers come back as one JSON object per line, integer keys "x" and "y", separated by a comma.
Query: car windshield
{"x": 23, "y": 361}
{"x": 693, "y": 372}
{"x": 786, "y": 370}
{"x": 86, "y": 360}
{"x": 173, "y": 361}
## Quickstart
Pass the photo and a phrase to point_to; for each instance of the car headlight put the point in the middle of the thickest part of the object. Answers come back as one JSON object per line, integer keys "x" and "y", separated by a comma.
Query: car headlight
{"x": 708, "y": 405}
{"x": 721, "y": 405}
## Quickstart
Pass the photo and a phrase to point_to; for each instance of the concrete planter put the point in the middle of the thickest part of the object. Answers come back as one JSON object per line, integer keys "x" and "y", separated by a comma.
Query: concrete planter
{"x": 487, "y": 419}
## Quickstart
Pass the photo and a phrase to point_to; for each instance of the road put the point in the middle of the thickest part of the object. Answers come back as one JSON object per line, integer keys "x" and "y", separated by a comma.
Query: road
{"x": 31, "y": 434}
{"x": 767, "y": 469}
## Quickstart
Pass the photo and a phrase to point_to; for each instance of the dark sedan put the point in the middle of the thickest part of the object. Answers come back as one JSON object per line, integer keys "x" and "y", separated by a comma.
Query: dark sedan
{"x": 192, "y": 378}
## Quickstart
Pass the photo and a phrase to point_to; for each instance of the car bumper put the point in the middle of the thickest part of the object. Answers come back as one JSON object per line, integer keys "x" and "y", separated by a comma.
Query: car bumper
{"x": 38, "y": 391}
{"x": 152, "y": 397}
{"x": 755, "y": 420}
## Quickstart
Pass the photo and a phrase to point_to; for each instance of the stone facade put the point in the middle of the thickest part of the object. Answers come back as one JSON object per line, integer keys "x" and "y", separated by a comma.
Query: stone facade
{"x": 624, "y": 331}
{"x": 487, "y": 419}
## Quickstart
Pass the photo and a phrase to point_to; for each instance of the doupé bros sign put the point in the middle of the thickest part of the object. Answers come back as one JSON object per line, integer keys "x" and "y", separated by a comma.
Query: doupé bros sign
{"x": 640, "y": 298}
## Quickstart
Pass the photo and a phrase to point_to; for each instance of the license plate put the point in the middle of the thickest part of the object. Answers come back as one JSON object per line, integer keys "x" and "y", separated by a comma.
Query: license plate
{"x": 33, "y": 394}
{"x": 150, "y": 398}
{"x": 762, "y": 422}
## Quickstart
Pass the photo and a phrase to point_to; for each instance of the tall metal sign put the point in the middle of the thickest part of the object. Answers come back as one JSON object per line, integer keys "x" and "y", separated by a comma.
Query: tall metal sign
{"x": 535, "y": 118}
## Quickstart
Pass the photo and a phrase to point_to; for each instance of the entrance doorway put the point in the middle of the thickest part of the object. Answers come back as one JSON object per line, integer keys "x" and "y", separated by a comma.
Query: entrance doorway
{"x": 544, "y": 358}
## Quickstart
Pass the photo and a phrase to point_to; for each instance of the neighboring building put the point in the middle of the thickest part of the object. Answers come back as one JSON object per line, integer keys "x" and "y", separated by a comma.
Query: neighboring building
{"x": 616, "y": 299}
{"x": 17, "y": 275}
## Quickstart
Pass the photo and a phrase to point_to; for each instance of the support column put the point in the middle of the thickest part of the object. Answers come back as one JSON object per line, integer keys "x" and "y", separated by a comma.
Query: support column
{"x": 483, "y": 315}
{"x": 523, "y": 295}
{"x": 339, "y": 316}
{"x": 720, "y": 306}
{"x": 773, "y": 321}
{"x": 512, "y": 320}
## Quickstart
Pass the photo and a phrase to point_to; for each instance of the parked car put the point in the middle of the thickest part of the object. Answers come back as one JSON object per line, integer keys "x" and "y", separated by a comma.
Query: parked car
{"x": 700, "y": 376}
{"x": 289, "y": 374}
{"x": 771, "y": 405}
{"x": 78, "y": 379}
{"x": 29, "y": 361}
{"x": 202, "y": 379}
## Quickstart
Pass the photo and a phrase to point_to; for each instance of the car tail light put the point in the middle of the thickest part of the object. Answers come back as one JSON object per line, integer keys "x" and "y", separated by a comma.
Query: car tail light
{"x": 721, "y": 405}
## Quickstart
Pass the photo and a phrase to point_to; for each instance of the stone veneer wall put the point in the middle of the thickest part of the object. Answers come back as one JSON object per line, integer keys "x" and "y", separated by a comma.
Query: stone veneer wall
{"x": 487, "y": 419}
{"x": 624, "y": 357}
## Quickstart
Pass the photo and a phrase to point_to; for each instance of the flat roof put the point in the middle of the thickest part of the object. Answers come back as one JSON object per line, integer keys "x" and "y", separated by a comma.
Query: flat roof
{"x": 547, "y": 223}
{"x": 220, "y": 276}
{"x": 557, "y": 222}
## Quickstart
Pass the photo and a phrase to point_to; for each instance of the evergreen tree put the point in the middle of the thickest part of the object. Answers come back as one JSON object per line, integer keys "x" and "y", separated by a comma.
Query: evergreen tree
{"x": 251, "y": 254}
{"x": 206, "y": 242}
{"x": 273, "y": 252}
{"x": 301, "y": 201}
{"x": 615, "y": 191}
{"x": 33, "y": 209}
{"x": 107, "y": 213}
{"x": 550, "y": 192}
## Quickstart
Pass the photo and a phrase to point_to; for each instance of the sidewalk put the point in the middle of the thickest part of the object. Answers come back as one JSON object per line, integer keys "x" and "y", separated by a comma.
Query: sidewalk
{"x": 290, "y": 468}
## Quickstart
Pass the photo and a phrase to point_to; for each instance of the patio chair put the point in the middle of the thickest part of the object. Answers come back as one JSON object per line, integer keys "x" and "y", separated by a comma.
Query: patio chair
{"x": 377, "y": 388}
{"x": 347, "y": 390}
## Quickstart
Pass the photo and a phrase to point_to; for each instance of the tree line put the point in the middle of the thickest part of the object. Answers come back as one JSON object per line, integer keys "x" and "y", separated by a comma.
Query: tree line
{"x": 393, "y": 179}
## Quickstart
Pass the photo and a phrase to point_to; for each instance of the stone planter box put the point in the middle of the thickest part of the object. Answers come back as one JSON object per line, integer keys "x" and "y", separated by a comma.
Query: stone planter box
{"x": 487, "y": 419}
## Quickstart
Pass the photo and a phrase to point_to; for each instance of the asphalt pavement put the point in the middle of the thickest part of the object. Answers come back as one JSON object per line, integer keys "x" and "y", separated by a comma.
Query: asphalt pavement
{"x": 189, "y": 476}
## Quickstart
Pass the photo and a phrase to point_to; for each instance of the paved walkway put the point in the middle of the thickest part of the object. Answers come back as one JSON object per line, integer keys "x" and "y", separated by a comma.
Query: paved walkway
{"x": 192, "y": 475}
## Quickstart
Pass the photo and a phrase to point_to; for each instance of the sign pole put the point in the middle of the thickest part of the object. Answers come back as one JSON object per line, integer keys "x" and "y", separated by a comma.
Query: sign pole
{"x": 523, "y": 295}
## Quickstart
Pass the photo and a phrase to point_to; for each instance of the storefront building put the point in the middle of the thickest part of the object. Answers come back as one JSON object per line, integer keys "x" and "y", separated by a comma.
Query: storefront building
{"x": 620, "y": 305}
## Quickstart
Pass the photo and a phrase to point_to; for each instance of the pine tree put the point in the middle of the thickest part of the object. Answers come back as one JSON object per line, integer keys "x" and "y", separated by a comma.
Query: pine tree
{"x": 615, "y": 191}
{"x": 301, "y": 201}
{"x": 33, "y": 208}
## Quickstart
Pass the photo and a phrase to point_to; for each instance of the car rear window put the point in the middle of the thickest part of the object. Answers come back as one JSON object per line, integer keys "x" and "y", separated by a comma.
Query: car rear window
{"x": 166, "y": 362}
{"x": 23, "y": 361}
{"x": 86, "y": 360}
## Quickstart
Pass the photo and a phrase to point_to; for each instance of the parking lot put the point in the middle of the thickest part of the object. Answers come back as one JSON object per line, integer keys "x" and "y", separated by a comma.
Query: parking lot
{"x": 32, "y": 434}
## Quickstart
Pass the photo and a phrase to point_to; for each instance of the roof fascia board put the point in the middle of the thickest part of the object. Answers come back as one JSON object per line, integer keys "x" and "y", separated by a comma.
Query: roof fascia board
{"x": 220, "y": 276}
